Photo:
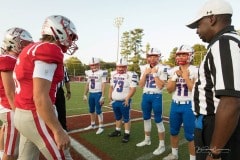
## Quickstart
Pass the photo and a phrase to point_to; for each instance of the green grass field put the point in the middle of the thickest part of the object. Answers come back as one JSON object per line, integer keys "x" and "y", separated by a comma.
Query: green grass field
{"x": 76, "y": 105}
{"x": 113, "y": 146}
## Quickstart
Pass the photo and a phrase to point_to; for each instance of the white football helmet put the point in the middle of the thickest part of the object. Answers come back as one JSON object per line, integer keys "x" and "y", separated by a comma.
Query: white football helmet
{"x": 153, "y": 56}
{"x": 94, "y": 64}
{"x": 15, "y": 39}
{"x": 94, "y": 61}
{"x": 184, "y": 49}
{"x": 154, "y": 51}
{"x": 121, "y": 66}
{"x": 63, "y": 30}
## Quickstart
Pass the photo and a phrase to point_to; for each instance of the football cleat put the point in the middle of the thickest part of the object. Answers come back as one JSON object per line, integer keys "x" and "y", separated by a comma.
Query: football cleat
{"x": 125, "y": 138}
{"x": 115, "y": 134}
{"x": 159, "y": 150}
{"x": 144, "y": 143}
{"x": 171, "y": 157}
{"x": 100, "y": 130}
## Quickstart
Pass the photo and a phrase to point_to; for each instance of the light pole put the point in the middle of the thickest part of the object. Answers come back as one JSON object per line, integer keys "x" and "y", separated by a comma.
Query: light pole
{"x": 117, "y": 23}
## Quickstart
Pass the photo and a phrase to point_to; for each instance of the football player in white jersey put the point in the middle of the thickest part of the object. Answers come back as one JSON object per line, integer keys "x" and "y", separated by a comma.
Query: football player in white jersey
{"x": 152, "y": 82}
{"x": 180, "y": 84}
{"x": 95, "y": 85}
{"x": 122, "y": 87}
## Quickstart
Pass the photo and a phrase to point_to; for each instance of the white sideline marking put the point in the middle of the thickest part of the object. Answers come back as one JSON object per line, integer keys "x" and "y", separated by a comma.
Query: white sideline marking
{"x": 83, "y": 150}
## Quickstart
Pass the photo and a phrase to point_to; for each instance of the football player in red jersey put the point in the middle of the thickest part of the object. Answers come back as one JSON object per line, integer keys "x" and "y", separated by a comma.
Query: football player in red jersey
{"x": 15, "y": 39}
{"x": 38, "y": 70}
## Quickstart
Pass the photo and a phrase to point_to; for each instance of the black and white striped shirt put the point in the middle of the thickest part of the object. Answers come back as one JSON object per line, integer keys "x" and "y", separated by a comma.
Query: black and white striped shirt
{"x": 219, "y": 72}
{"x": 65, "y": 79}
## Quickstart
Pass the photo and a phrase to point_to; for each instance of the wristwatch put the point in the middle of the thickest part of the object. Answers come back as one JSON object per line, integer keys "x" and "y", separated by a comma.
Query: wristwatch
{"x": 214, "y": 155}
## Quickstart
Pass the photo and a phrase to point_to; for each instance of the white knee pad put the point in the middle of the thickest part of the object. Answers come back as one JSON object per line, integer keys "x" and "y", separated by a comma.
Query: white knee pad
{"x": 160, "y": 127}
{"x": 147, "y": 125}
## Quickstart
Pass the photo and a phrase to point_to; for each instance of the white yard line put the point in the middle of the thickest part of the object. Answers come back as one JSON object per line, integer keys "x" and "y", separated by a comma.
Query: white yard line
{"x": 88, "y": 155}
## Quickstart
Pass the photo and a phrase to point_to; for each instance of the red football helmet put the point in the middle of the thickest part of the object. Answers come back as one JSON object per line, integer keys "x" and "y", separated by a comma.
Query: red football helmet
{"x": 184, "y": 55}
{"x": 63, "y": 30}
{"x": 94, "y": 64}
{"x": 15, "y": 40}
{"x": 121, "y": 66}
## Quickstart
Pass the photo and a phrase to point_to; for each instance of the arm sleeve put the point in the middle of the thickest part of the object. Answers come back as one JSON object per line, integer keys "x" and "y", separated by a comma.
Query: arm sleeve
{"x": 44, "y": 70}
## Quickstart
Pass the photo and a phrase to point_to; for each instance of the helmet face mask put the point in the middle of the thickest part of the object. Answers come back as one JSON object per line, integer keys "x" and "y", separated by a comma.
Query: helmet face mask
{"x": 95, "y": 67}
{"x": 64, "y": 32}
{"x": 15, "y": 40}
{"x": 121, "y": 69}
{"x": 184, "y": 55}
{"x": 182, "y": 58}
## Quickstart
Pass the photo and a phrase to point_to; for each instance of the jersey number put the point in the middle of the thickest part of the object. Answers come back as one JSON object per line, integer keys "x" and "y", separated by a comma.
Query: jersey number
{"x": 119, "y": 84}
{"x": 150, "y": 82}
{"x": 179, "y": 87}
{"x": 92, "y": 83}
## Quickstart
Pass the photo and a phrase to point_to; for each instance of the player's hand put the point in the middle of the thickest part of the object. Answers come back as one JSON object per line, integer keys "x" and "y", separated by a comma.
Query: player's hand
{"x": 179, "y": 73}
{"x": 147, "y": 71}
{"x": 62, "y": 140}
{"x": 68, "y": 95}
{"x": 154, "y": 69}
{"x": 85, "y": 98}
{"x": 126, "y": 102}
{"x": 101, "y": 101}
{"x": 185, "y": 74}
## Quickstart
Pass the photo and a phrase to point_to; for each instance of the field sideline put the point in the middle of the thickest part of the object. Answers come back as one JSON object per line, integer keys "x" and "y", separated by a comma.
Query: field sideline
{"x": 113, "y": 148}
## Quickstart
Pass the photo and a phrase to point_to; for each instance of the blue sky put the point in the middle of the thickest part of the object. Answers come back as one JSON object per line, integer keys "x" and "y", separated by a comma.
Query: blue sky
{"x": 163, "y": 22}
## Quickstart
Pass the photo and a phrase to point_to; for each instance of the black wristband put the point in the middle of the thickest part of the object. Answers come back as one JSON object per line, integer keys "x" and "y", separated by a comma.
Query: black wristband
{"x": 214, "y": 156}
{"x": 68, "y": 92}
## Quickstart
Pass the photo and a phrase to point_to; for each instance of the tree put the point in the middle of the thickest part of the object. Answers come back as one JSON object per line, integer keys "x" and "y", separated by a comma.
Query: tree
{"x": 171, "y": 60}
{"x": 131, "y": 48}
{"x": 74, "y": 66}
{"x": 199, "y": 53}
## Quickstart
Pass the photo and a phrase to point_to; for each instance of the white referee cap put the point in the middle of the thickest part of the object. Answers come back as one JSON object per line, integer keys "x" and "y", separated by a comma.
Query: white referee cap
{"x": 211, "y": 7}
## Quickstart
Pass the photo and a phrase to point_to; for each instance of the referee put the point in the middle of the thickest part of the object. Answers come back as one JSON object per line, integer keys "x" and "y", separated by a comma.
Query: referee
{"x": 60, "y": 99}
{"x": 217, "y": 91}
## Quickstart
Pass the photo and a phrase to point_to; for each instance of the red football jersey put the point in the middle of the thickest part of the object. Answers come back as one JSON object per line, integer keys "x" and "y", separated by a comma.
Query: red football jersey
{"x": 7, "y": 63}
{"x": 23, "y": 72}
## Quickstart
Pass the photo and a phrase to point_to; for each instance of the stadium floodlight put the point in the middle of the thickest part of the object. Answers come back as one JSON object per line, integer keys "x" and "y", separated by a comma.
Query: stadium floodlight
{"x": 117, "y": 23}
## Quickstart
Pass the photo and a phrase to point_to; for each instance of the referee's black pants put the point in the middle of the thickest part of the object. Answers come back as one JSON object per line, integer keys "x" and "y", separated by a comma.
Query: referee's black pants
{"x": 61, "y": 107}
{"x": 202, "y": 139}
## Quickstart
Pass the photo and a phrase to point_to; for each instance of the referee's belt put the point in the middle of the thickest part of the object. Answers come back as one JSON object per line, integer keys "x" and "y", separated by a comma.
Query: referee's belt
{"x": 150, "y": 92}
{"x": 181, "y": 102}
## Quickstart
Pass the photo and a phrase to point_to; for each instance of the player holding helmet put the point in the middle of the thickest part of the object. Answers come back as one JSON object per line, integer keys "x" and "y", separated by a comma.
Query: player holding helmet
{"x": 180, "y": 84}
{"x": 38, "y": 70}
{"x": 96, "y": 79}
{"x": 152, "y": 82}
{"x": 14, "y": 41}
{"x": 122, "y": 87}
